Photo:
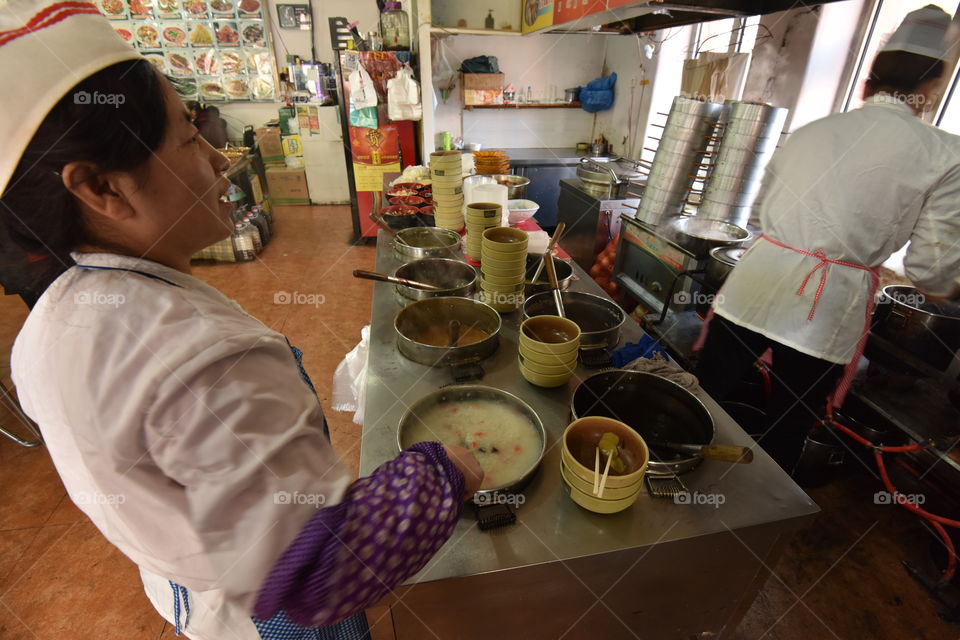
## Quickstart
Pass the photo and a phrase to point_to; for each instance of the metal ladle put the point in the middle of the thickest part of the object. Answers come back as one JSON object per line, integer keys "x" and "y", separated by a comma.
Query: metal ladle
{"x": 554, "y": 285}
{"x": 549, "y": 252}
{"x": 382, "y": 277}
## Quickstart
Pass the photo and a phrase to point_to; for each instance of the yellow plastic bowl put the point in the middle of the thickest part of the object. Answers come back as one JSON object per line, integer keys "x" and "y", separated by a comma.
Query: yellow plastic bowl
{"x": 503, "y": 281}
{"x": 485, "y": 209}
{"x": 553, "y": 369}
{"x": 504, "y": 259}
{"x": 549, "y": 359}
{"x": 501, "y": 269}
{"x": 506, "y": 240}
{"x": 580, "y": 441}
{"x": 445, "y": 191}
{"x": 550, "y": 334}
{"x": 502, "y": 288}
{"x": 501, "y": 302}
{"x": 544, "y": 381}
{"x": 594, "y": 504}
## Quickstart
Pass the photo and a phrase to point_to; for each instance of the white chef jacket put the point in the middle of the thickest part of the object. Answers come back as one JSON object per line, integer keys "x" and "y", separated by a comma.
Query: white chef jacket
{"x": 859, "y": 186}
{"x": 174, "y": 418}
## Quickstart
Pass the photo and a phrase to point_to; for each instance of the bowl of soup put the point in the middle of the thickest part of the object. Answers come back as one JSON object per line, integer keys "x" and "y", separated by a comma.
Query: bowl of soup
{"x": 501, "y": 430}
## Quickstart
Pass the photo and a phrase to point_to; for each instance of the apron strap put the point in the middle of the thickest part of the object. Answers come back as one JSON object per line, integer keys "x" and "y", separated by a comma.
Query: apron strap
{"x": 142, "y": 273}
{"x": 180, "y": 592}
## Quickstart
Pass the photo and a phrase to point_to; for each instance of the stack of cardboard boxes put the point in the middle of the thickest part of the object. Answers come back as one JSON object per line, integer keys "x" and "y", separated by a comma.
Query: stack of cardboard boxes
{"x": 283, "y": 159}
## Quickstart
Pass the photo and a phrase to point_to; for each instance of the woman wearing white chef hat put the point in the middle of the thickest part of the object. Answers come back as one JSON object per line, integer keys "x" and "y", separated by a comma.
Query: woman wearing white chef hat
{"x": 180, "y": 425}
{"x": 842, "y": 195}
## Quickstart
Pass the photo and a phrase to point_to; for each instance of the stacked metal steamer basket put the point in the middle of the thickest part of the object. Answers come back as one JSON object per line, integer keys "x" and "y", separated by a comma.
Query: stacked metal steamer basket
{"x": 750, "y": 136}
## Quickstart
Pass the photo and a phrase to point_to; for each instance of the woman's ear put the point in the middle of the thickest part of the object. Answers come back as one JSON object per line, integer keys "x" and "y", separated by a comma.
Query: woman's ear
{"x": 99, "y": 192}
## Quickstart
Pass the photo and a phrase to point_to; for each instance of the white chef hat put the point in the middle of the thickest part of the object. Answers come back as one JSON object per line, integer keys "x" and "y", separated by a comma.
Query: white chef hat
{"x": 46, "y": 48}
{"x": 922, "y": 32}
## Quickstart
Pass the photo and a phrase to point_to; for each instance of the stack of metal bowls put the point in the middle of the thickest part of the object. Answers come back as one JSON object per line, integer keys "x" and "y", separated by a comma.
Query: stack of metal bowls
{"x": 689, "y": 127}
{"x": 446, "y": 173}
{"x": 749, "y": 139}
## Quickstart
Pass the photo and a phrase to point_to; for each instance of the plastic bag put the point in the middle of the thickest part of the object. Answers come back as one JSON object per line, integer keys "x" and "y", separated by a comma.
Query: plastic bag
{"x": 363, "y": 99}
{"x": 598, "y": 94}
{"x": 403, "y": 96}
{"x": 350, "y": 379}
{"x": 444, "y": 74}
{"x": 481, "y": 64}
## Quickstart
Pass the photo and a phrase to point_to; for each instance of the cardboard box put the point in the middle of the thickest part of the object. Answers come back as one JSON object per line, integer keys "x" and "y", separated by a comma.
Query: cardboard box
{"x": 492, "y": 81}
{"x": 270, "y": 145}
{"x": 292, "y": 146}
{"x": 287, "y": 186}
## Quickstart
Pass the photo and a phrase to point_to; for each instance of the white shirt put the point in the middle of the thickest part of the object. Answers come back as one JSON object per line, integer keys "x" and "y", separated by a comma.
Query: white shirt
{"x": 859, "y": 186}
{"x": 173, "y": 418}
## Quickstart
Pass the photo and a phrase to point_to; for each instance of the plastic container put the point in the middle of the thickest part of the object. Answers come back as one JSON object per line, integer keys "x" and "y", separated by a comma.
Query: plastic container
{"x": 395, "y": 27}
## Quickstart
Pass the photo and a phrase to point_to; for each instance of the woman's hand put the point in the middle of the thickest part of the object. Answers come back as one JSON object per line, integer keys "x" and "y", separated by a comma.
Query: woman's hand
{"x": 467, "y": 463}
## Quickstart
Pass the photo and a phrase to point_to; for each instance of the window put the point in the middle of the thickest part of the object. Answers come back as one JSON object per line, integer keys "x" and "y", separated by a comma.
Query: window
{"x": 885, "y": 17}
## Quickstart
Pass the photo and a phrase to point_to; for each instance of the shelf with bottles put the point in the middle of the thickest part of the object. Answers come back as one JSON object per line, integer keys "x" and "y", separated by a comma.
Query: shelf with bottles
{"x": 525, "y": 105}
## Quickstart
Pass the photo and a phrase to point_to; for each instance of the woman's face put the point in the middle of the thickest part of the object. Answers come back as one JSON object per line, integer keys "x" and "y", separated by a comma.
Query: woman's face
{"x": 166, "y": 210}
{"x": 178, "y": 203}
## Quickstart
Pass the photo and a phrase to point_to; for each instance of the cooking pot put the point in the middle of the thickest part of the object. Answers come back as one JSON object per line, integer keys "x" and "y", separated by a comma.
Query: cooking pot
{"x": 455, "y": 278}
{"x": 450, "y": 396}
{"x": 700, "y": 235}
{"x": 929, "y": 331}
{"x": 426, "y": 242}
{"x": 656, "y": 408}
{"x": 562, "y": 267}
{"x": 611, "y": 173}
{"x": 599, "y": 318}
{"x": 431, "y": 318}
{"x": 721, "y": 263}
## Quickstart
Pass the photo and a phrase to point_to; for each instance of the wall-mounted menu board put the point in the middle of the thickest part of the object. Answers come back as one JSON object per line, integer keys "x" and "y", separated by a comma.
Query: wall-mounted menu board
{"x": 219, "y": 50}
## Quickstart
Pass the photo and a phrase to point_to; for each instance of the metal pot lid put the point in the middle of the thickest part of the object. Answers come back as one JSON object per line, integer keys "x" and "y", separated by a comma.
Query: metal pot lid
{"x": 728, "y": 255}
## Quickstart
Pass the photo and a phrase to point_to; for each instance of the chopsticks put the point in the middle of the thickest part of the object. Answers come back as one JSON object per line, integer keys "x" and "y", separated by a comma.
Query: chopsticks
{"x": 598, "y": 487}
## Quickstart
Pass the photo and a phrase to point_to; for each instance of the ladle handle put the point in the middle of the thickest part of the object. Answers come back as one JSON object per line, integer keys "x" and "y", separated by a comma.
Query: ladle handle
{"x": 727, "y": 453}
{"x": 549, "y": 252}
{"x": 382, "y": 224}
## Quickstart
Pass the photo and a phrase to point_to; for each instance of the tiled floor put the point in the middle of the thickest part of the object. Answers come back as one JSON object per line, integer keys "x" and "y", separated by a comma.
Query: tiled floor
{"x": 59, "y": 578}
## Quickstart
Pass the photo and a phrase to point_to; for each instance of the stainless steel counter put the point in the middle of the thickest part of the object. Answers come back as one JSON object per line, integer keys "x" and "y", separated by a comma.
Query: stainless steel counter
{"x": 558, "y": 559}
{"x": 528, "y": 156}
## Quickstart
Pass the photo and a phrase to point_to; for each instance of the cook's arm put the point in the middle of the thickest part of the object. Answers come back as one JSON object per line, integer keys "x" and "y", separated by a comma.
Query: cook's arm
{"x": 272, "y": 507}
{"x": 385, "y": 530}
{"x": 933, "y": 258}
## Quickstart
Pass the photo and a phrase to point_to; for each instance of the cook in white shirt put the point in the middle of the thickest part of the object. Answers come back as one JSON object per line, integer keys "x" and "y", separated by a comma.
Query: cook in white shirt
{"x": 842, "y": 195}
{"x": 180, "y": 425}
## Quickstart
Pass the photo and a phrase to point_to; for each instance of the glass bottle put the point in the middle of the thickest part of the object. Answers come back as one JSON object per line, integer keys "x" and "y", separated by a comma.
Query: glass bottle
{"x": 254, "y": 232}
{"x": 489, "y": 22}
{"x": 261, "y": 224}
{"x": 243, "y": 248}
{"x": 395, "y": 28}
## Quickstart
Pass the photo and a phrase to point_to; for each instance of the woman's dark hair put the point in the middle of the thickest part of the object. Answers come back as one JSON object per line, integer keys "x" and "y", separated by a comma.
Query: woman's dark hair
{"x": 901, "y": 72}
{"x": 114, "y": 119}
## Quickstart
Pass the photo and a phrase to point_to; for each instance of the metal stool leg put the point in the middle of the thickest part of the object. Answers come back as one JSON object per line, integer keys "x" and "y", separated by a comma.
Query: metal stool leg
{"x": 14, "y": 406}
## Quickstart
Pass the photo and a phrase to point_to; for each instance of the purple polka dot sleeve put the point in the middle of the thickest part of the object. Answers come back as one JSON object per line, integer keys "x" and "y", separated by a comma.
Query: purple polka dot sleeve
{"x": 350, "y": 555}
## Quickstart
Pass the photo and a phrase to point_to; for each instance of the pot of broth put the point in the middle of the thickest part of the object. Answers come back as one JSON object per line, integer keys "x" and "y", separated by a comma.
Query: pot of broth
{"x": 423, "y": 331}
{"x": 599, "y": 318}
{"x": 454, "y": 277}
{"x": 504, "y": 433}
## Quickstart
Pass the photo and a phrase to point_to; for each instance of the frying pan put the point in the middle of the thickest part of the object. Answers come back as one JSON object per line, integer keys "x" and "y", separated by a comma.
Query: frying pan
{"x": 656, "y": 408}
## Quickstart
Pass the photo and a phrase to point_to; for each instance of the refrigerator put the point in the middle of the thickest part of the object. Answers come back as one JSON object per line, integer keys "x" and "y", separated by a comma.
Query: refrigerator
{"x": 371, "y": 153}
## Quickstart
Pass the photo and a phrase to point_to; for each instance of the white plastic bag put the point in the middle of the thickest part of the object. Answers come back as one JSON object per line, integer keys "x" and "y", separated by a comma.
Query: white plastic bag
{"x": 350, "y": 379}
{"x": 363, "y": 99}
{"x": 403, "y": 96}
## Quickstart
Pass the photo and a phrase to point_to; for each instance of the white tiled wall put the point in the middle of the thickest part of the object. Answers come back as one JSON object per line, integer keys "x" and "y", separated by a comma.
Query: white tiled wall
{"x": 547, "y": 63}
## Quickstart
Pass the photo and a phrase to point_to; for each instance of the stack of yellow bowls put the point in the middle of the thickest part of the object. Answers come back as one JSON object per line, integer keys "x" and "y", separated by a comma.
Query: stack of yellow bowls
{"x": 581, "y": 473}
{"x": 446, "y": 174}
{"x": 480, "y": 217}
{"x": 503, "y": 260}
{"x": 549, "y": 346}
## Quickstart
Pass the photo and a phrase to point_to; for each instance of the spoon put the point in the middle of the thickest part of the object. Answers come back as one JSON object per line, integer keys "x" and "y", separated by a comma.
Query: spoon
{"x": 382, "y": 277}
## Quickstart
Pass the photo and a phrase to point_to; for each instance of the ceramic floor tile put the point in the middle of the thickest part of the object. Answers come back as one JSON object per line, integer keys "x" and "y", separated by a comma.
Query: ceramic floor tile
{"x": 34, "y": 544}
{"x": 83, "y": 587}
{"x": 31, "y": 487}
